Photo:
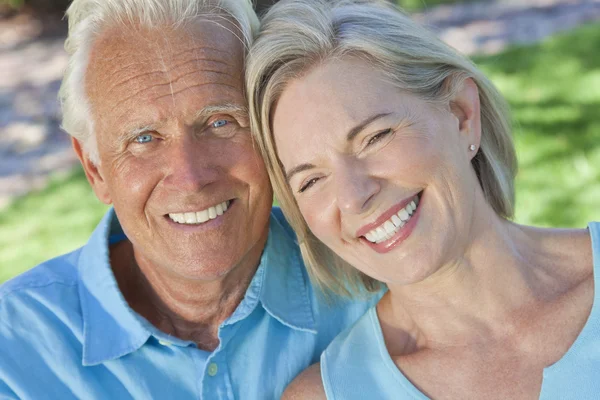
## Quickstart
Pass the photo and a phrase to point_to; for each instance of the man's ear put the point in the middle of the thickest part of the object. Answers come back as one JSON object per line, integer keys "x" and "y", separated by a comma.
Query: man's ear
{"x": 93, "y": 174}
{"x": 466, "y": 108}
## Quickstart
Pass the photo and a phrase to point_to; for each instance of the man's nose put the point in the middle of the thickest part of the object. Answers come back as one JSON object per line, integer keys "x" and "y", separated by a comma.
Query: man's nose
{"x": 191, "y": 166}
{"x": 355, "y": 188}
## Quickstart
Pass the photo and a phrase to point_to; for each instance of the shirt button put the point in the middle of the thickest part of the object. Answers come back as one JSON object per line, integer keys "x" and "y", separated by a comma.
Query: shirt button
{"x": 163, "y": 343}
{"x": 213, "y": 369}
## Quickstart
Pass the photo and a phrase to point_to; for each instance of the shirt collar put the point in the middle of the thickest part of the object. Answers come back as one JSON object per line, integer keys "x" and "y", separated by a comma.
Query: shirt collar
{"x": 111, "y": 328}
{"x": 280, "y": 283}
{"x": 285, "y": 292}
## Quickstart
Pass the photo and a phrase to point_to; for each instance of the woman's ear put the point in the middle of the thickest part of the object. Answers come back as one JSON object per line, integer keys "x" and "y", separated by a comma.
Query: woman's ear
{"x": 466, "y": 108}
{"x": 92, "y": 172}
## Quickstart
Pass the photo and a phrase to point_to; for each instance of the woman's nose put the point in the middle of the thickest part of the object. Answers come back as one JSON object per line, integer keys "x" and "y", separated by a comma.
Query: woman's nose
{"x": 355, "y": 188}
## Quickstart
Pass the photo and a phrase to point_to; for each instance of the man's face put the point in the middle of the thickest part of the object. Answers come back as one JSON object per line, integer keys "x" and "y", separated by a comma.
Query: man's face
{"x": 176, "y": 156}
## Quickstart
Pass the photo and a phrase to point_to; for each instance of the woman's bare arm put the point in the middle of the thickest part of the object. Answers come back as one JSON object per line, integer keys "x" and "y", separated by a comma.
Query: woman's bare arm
{"x": 306, "y": 386}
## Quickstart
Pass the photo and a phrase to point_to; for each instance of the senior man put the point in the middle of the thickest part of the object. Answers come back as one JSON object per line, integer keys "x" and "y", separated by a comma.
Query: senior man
{"x": 191, "y": 286}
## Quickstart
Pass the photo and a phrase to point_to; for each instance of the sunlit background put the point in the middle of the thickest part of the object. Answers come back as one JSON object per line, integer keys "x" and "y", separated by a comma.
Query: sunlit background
{"x": 544, "y": 55}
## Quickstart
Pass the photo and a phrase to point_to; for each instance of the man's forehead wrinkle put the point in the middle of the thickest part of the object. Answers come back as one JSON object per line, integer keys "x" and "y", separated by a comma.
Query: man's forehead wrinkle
{"x": 177, "y": 79}
{"x": 134, "y": 94}
{"x": 169, "y": 83}
{"x": 200, "y": 69}
{"x": 195, "y": 86}
{"x": 204, "y": 50}
{"x": 128, "y": 79}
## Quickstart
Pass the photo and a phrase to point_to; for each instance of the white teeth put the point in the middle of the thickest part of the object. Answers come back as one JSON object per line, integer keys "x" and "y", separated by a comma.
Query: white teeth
{"x": 371, "y": 237}
{"x": 389, "y": 228}
{"x": 212, "y": 213}
{"x": 202, "y": 216}
{"x": 403, "y": 214}
{"x": 190, "y": 218}
{"x": 199, "y": 217}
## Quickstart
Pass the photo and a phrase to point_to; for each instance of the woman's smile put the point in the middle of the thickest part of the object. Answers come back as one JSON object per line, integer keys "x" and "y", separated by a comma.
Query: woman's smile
{"x": 393, "y": 226}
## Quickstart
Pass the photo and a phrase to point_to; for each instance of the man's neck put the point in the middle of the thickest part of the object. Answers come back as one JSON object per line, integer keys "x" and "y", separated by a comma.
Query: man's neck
{"x": 187, "y": 309}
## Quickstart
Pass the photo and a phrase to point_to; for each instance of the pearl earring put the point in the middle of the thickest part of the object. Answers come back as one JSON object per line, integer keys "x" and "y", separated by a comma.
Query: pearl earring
{"x": 472, "y": 147}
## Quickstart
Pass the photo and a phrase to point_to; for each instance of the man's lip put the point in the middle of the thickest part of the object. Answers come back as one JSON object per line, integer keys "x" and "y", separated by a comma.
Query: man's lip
{"x": 385, "y": 216}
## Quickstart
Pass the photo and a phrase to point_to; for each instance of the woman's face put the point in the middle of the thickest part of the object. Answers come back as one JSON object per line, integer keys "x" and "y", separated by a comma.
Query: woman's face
{"x": 382, "y": 177}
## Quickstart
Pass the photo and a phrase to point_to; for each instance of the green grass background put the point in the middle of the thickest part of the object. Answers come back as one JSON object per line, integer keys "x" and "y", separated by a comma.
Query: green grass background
{"x": 554, "y": 91}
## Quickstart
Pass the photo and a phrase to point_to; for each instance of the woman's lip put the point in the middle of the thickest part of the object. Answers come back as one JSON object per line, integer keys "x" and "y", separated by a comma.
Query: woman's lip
{"x": 384, "y": 217}
{"x": 399, "y": 237}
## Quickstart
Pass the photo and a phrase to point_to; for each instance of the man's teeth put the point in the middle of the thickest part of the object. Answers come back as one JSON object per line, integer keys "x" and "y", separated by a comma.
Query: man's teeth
{"x": 199, "y": 217}
{"x": 389, "y": 228}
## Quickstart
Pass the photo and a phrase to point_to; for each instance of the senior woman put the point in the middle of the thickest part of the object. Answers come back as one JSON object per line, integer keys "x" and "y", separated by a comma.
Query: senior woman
{"x": 392, "y": 158}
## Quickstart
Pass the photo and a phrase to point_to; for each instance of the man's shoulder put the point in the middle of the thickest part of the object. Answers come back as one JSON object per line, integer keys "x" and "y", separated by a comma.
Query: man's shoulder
{"x": 61, "y": 270}
{"x": 279, "y": 219}
{"x": 48, "y": 286}
{"x": 40, "y": 318}
{"x": 332, "y": 313}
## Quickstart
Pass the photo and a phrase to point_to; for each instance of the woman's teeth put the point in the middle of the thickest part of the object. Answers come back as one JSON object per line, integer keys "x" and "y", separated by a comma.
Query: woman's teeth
{"x": 389, "y": 228}
{"x": 200, "y": 217}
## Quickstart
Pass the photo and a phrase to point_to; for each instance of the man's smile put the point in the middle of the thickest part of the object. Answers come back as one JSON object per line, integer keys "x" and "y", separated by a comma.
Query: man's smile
{"x": 199, "y": 217}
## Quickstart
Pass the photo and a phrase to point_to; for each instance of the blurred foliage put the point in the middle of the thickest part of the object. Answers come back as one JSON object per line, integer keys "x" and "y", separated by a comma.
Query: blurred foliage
{"x": 47, "y": 223}
{"x": 554, "y": 91}
{"x": 38, "y": 6}
{"x": 416, "y": 5}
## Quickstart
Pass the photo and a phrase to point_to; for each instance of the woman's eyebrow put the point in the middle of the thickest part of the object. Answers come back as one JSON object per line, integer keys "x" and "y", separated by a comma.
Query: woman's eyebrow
{"x": 297, "y": 169}
{"x": 351, "y": 135}
{"x": 358, "y": 128}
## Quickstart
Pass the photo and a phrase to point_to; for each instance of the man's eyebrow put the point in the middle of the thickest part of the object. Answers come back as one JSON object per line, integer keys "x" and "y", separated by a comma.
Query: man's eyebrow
{"x": 201, "y": 116}
{"x": 358, "y": 128}
{"x": 227, "y": 108}
{"x": 297, "y": 169}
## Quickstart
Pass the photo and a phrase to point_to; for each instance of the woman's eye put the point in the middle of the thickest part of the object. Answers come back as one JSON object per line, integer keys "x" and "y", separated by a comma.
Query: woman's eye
{"x": 308, "y": 184}
{"x": 219, "y": 123}
{"x": 378, "y": 137}
{"x": 146, "y": 138}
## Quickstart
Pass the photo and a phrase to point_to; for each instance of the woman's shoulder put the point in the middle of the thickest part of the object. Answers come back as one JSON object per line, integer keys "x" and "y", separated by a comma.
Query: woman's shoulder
{"x": 336, "y": 361}
{"x": 569, "y": 255}
{"x": 308, "y": 385}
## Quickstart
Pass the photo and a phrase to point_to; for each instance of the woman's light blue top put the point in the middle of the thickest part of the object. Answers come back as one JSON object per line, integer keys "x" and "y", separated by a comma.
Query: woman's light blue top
{"x": 356, "y": 365}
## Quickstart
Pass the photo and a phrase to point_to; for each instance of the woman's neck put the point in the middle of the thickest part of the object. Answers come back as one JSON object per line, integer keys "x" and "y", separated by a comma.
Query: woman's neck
{"x": 506, "y": 272}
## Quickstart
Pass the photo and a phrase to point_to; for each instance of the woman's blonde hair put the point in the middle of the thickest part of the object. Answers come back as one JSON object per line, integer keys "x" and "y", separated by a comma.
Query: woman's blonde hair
{"x": 297, "y": 35}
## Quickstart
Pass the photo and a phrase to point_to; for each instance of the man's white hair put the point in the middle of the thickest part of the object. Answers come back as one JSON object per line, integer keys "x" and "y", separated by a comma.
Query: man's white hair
{"x": 87, "y": 19}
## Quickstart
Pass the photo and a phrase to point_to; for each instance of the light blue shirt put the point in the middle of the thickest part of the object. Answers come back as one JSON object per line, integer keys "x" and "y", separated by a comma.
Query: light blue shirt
{"x": 357, "y": 365}
{"x": 67, "y": 332}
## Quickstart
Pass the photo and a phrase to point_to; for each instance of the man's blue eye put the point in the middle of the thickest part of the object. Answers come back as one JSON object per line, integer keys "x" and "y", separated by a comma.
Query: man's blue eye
{"x": 143, "y": 138}
{"x": 220, "y": 123}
